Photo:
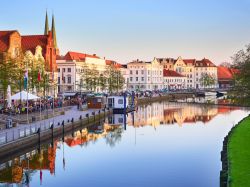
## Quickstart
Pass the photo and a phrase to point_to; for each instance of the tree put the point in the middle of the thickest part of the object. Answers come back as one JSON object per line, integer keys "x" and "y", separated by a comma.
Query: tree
{"x": 226, "y": 64}
{"x": 115, "y": 78}
{"x": 11, "y": 73}
{"x": 241, "y": 61}
{"x": 102, "y": 82}
{"x": 207, "y": 80}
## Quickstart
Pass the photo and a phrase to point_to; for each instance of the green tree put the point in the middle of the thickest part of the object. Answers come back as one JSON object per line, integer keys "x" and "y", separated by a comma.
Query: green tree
{"x": 207, "y": 80}
{"x": 11, "y": 73}
{"x": 115, "y": 78}
{"x": 241, "y": 61}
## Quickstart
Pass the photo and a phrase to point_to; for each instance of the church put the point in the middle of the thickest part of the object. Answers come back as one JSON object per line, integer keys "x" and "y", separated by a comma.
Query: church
{"x": 13, "y": 44}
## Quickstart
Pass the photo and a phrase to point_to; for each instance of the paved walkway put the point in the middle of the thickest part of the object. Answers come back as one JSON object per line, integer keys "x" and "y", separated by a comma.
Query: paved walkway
{"x": 9, "y": 135}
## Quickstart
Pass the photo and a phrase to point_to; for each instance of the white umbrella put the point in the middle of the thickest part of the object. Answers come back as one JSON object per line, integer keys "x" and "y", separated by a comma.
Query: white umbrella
{"x": 34, "y": 92}
{"x": 9, "y": 96}
{"x": 24, "y": 95}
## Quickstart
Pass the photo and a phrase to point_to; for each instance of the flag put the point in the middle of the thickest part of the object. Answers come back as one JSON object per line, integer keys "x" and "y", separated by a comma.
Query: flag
{"x": 26, "y": 80}
{"x": 39, "y": 76}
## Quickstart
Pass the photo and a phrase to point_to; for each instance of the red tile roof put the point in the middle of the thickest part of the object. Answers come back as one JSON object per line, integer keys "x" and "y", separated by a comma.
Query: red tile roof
{"x": 74, "y": 142}
{"x": 204, "y": 63}
{"x": 189, "y": 61}
{"x": 78, "y": 56}
{"x": 170, "y": 73}
{"x": 4, "y": 40}
{"x": 224, "y": 73}
{"x": 30, "y": 42}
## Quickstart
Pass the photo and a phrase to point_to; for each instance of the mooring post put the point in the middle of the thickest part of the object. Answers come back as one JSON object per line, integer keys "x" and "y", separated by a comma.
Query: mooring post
{"x": 99, "y": 115}
{"x": 39, "y": 136}
{"x": 52, "y": 132}
{"x": 93, "y": 113}
{"x": 87, "y": 116}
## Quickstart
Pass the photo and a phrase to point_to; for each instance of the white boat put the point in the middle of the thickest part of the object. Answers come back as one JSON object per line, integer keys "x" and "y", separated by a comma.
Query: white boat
{"x": 210, "y": 93}
{"x": 118, "y": 103}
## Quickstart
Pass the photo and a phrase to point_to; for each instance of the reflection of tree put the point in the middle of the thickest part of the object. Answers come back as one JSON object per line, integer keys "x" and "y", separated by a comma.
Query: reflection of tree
{"x": 21, "y": 170}
{"x": 114, "y": 136}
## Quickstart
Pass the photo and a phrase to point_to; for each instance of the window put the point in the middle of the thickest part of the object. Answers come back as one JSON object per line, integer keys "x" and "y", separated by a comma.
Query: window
{"x": 136, "y": 72}
{"x": 69, "y": 69}
{"x": 69, "y": 80}
{"x": 131, "y": 72}
{"x": 58, "y": 80}
{"x": 120, "y": 101}
{"x": 142, "y": 79}
{"x": 136, "y": 78}
{"x": 131, "y": 79}
{"x": 63, "y": 69}
{"x": 58, "y": 69}
{"x": 142, "y": 72}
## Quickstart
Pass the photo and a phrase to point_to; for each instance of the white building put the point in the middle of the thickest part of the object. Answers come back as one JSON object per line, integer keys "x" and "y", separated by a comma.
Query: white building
{"x": 194, "y": 70}
{"x": 145, "y": 75}
{"x": 174, "y": 80}
{"x": 125, "y": 73}
{"x": 71, "y": 68}
{"x": 205, "y": 67}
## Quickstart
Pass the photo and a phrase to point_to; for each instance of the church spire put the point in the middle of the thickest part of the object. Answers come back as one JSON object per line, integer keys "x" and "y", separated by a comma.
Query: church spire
{"x": 53, "y": 29}
{"x": 46, "y": 28}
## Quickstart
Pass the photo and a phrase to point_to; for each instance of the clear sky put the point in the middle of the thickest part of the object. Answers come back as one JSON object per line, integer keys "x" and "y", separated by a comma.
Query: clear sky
{"x": 125, "y": 30}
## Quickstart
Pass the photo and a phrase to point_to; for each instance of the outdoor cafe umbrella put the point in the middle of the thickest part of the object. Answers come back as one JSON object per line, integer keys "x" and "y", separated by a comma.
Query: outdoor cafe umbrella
{"x": 9, "y": 96}
{"x": 24, "y": 96}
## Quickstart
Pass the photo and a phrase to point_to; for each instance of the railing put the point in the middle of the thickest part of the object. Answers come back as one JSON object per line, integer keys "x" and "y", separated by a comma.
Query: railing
{"x": 22, "y": 131}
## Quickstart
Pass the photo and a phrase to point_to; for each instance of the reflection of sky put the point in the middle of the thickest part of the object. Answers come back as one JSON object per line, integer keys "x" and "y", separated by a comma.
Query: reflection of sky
{"x": 169, "y": 155}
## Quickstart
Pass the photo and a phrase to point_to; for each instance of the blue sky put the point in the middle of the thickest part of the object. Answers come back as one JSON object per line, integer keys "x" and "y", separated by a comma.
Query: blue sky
{"x": 125, "y": 30}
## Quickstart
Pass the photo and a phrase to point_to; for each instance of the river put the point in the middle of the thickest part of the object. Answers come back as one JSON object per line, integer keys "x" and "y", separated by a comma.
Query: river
{"x": 161, "y": 144}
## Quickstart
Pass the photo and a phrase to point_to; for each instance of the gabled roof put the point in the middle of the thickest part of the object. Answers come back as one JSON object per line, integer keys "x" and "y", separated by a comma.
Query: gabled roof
{"x": 204, "y": 63}
{"x": 78, "y": 56}
{"x": 189, "y": 61}
{"x": 30, "y": 42}
{"x": 170, "y": 73}
{"x": 4, "y": 39}
{"x": 226, "y": 73}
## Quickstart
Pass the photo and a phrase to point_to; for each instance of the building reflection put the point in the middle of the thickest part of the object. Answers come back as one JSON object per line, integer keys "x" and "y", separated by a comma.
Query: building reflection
{"x": 20, "y": 169}
{"x": 110, "y": 132}
{"x": 175, "y": 113}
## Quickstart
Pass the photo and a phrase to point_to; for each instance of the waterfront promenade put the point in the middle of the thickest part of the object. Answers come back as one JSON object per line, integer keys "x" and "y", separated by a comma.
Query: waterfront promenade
{"x": 24, "y": 130}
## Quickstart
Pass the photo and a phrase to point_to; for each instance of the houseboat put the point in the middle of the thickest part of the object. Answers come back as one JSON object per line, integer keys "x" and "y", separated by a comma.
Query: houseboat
{"x": 120, "y": 104}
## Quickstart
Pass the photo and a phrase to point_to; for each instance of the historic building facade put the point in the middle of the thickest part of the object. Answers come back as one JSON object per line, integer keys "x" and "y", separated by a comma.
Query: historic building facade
{"x": 145, "y": 75}
{"x": 174, "y": 80}
{"x": 71, "y": 69}
{"x": 13, "y": 44}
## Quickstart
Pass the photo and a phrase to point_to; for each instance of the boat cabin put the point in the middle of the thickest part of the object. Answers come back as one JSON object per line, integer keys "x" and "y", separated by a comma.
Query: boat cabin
{"x": 96, "y": 102}
{"x": 118, "y": 102}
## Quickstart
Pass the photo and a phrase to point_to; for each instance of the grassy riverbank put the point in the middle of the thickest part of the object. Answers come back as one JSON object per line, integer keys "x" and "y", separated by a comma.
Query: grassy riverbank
{"x": 239, "y": 154}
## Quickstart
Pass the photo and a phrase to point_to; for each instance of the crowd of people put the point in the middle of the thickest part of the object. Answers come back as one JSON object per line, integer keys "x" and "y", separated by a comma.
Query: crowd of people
{"x": 32, "y": 106}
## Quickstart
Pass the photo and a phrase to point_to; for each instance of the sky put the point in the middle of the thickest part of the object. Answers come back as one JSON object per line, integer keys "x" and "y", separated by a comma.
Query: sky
{"x": 125, "y": 30}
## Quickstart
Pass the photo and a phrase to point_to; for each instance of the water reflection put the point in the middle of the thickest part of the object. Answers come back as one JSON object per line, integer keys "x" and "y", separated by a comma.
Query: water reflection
{"x": 29, "y": 168}
{"x": 170, "y": 113}
{"x": 20, "y": 169}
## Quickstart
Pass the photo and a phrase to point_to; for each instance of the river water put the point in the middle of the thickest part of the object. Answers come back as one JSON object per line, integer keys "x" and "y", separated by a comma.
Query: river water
{"x": 161, "y": 144}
